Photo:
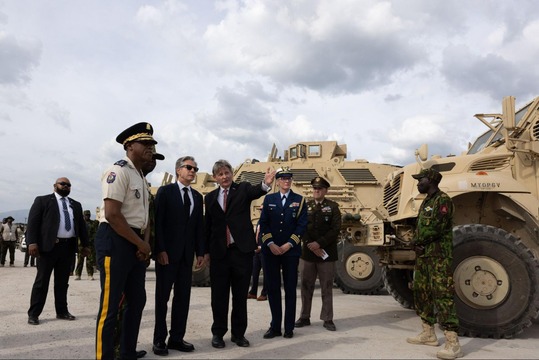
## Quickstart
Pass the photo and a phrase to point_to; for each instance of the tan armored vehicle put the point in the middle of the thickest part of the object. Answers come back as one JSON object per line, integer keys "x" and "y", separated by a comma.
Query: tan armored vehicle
{"x": 494, "y": 187}
{"x": 356, "y": 185}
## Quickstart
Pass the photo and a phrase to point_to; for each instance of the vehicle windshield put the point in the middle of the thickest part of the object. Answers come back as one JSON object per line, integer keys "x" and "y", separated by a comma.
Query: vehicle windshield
{"x": 487, "y": 139}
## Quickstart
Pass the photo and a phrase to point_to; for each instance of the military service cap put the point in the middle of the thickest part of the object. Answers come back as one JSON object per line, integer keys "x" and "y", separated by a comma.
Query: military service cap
{"x": 283, "y": 172}
{"x": 319, "y": 182}
{"x": 86, "y": 212}
{"x": 139, "y": 132}
{"x": 430, "y": 173}
{"x": 10, "y": 217}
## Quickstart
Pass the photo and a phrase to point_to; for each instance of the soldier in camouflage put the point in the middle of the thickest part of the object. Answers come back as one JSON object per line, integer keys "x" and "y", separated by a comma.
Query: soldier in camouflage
{"x": 433, "y": 284}
{"x": 91, "y": 226}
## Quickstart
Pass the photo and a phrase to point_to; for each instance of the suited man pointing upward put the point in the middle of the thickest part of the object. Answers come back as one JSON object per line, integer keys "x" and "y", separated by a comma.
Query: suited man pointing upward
{"x": 179, "y": 235}
{"x": 231, "y": 242}
{"x": 55, "y": 222}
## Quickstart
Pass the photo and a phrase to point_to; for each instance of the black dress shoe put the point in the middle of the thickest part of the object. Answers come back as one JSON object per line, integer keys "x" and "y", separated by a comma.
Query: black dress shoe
{"x": 65, "y": 316}
{"x": 329, "y": 325}
{"x": 217, "y": 342}
{"x": 180, "y": 346}
{"x": 141, "y": 354}
{"x": 160, "y": 349}
{"x": 33, "y": 320}
{"x": 288, "y": 334}
{"x": 270, "y": 334}
{"x": 240, "y": 341}
{"x": 302, "y": 322}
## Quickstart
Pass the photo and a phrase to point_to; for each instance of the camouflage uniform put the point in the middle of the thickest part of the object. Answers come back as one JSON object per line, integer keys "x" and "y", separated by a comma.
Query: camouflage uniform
{"x": 91, "y": 226}
{"x": 433, "y": 280}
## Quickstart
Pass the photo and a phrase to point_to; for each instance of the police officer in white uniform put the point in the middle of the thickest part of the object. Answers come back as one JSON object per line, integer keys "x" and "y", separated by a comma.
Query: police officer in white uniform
{"x": 122, "y": 242}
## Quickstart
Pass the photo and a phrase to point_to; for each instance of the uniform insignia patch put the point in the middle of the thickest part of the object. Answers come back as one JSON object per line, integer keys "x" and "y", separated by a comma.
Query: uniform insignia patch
{"x": 121, "y": 163}
{"x": 137, "y": 194}
{"x": 443, "y": 209}
{"x": 111, "y": 177}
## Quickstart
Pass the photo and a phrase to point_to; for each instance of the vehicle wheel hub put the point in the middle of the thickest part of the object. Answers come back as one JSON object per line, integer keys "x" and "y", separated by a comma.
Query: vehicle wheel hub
{"x": 481, "y": 282}
{"x": 359, "y": 266}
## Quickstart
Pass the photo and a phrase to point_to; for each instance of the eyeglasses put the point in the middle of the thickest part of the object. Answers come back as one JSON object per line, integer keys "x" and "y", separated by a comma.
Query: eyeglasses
{"x": 285, "y": 179}
{"x": 189, "y": 167}
{"x": 63, "y": 183}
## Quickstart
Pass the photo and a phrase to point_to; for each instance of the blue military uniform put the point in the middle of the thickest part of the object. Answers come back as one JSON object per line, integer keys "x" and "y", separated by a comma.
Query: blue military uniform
{"x": 280, "y": 225}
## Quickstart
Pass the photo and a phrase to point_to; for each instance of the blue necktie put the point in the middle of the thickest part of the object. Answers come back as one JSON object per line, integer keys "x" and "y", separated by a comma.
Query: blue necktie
{"x": 66, "y": 215}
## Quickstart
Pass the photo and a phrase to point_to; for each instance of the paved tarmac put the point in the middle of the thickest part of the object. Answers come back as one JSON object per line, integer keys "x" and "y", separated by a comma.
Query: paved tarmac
{"x": 368, "y": 327}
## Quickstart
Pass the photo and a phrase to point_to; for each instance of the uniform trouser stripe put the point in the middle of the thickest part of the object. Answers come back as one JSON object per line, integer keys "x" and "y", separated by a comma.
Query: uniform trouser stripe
{"x": 104, "y": 309}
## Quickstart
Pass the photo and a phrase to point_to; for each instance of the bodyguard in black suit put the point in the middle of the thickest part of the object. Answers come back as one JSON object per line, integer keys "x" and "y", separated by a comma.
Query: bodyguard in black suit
{"x": 179, "y": 234}
{"x": 231, "y": 242}
{"x": 55, "y": 222}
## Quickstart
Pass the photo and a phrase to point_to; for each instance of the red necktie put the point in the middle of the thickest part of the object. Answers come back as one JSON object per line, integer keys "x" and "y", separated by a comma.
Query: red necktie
{"x": 225, "y": 191}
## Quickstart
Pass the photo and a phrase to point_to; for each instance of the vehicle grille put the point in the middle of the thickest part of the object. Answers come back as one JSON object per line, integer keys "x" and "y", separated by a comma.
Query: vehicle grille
{"x": 392, "y": 194}
{"x": 358, "y": 176}
{"x": 304, "y": 175}
{"x": 494, "y": 163}
{"x": 535, "y": 130}
{"x": 253, "y": 177}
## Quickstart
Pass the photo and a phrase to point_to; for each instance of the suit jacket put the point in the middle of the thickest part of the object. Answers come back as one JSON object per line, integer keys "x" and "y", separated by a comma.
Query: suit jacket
{"x": 282, "y": 224}
{"x": 324, "y": 227}
{"x": 178, "y": 236}
{"x": 237, "y": 217}
{"x": 44, "y": 220}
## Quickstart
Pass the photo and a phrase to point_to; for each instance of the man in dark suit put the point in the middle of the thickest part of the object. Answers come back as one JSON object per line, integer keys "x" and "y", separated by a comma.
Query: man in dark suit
{"x": 282, "y": 223}
{"x": 179, "y": 233}
{"x": 231, "y": 242}
{"x": 55, "y": 223}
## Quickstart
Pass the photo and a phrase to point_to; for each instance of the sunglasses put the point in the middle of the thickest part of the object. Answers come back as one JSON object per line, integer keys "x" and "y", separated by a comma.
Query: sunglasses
{"x": 64, "y": 184}
{"x": 189, "y": 167}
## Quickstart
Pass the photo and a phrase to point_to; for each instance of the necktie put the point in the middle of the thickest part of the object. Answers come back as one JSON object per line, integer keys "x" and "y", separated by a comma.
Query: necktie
{"x": 283, "y": 200}
{"x": 225, "y": 193}
{"x": 66, "y": 214}
{"x": 186, "y": 202}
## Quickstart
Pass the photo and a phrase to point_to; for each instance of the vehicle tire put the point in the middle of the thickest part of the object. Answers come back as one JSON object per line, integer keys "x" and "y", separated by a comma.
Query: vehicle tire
{"x": 397, "y": 282}
{"x": 496, "y": 282}
{"x": 201, "y": 276}
{"x": 358, "y": 271}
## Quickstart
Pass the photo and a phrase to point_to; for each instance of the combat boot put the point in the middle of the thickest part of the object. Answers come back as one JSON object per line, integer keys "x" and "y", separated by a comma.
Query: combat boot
{"x": 426, "y": 337}
{"x": 452, "y": 348}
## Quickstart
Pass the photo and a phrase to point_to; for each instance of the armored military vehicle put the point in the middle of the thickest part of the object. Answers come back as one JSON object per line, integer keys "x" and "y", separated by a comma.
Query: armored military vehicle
{"x": 355, "y": 184}
{"x": 495, "y": 190}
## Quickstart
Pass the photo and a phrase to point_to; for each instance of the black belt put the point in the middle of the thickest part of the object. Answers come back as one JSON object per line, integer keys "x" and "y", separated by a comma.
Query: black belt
{"x": 139, "y": 232}
{"x": 59, "y": 240}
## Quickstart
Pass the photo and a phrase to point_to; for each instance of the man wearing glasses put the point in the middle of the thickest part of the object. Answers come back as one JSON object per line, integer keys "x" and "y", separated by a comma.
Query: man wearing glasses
{"x": 122, "y": 242}
{"x": 179, "y": 235}
{"x": 54, "y": 246}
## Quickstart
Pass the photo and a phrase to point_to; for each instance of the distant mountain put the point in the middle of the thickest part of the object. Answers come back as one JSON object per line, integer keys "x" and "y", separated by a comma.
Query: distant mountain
{"x": 20, "y": 216}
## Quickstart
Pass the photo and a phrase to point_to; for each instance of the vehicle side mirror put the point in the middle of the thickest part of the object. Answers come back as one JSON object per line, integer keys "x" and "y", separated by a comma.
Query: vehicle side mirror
{"x": 508, "y": 111}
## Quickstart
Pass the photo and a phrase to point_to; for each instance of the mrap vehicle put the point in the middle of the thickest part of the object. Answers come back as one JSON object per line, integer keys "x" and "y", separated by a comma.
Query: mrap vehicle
{"x": 356, "y": 185}
{"x": 494, "y": 187}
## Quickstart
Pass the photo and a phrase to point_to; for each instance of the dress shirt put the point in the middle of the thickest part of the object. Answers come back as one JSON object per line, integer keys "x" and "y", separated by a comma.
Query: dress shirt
{"x": 62, "y": 232}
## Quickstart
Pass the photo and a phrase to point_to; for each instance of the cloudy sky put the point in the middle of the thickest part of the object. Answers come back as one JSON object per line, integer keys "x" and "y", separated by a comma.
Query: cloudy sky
{"x": 227, "y": 79}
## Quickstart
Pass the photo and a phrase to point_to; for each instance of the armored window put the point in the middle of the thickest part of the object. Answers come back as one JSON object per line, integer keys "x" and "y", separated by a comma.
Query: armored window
{"x": 314, "y": 150}
{"x": 293, "y": 153}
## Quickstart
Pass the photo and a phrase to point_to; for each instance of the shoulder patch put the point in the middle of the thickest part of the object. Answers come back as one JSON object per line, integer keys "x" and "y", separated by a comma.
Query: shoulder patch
{"x": 121, "y": 163}
{"x": 111, "y": 177}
